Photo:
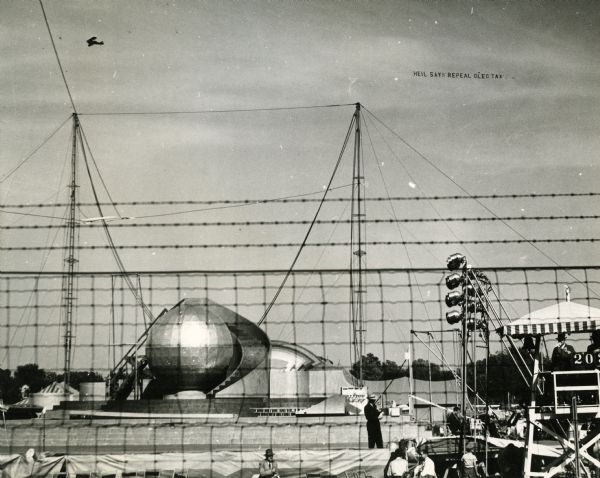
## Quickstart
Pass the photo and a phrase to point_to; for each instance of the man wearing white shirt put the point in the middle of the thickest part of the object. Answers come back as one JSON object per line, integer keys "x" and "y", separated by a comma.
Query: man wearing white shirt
{"x": 397, "y": 466}
{"x": 426, "y": 466}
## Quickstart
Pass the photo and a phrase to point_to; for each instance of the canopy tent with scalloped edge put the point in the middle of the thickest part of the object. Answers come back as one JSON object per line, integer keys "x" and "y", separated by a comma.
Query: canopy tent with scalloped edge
{"x": 566, "y": 316}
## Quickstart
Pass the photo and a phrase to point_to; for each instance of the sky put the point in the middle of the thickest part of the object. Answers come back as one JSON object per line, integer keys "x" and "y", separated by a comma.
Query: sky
{"x": 458, "y": 97}
{"x": 532, "y": 131}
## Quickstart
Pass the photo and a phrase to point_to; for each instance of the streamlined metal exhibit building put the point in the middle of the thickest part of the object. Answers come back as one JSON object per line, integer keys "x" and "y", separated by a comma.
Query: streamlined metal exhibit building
{"x": 199, "y": 348}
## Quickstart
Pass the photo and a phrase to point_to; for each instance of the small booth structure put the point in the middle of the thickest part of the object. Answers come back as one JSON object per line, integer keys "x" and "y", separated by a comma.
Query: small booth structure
{"x": 561, "y": 400}
{"x": 50, "y": 396}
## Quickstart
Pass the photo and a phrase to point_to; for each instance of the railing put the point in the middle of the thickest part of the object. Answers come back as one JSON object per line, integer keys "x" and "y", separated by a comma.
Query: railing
{"x": 585, "y": 384}
{"x": 276, "y": 411}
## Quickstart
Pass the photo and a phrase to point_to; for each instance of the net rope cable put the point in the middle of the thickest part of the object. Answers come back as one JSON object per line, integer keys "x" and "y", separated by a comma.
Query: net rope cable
{"x": 100, "y": 335}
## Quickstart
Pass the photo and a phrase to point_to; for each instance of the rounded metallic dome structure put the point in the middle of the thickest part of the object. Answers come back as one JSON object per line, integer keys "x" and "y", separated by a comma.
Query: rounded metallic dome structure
{"x": 190, "y": 347}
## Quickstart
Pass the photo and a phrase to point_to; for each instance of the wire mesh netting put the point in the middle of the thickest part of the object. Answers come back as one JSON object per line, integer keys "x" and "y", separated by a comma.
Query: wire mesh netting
{"x": 301, "y": 397}
{"x": 197, "y": 372}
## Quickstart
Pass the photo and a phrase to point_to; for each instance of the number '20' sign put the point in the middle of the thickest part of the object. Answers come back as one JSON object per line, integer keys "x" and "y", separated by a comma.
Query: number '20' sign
{"x": 586, "y": 358}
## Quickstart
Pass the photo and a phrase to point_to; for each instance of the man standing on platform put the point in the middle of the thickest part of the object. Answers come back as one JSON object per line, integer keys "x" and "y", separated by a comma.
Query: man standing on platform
{"x": 562, "y": 355}
{"x": 373, "y": 414}
{"x": 456, "y": 421}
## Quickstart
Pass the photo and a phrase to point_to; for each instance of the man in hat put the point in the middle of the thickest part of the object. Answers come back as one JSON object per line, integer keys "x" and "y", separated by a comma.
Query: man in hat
{"x": 594, "y": 347}
{"x": 562, "y": 354}
{"x": 373, "y": 414}
{"x": 456, "y": 421}
{"x": 268, "y": 467}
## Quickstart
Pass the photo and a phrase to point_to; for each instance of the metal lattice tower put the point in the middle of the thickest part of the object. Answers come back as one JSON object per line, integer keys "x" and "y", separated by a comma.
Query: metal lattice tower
{"x": 358, "y": 248}
{"x": 68, "y": 286}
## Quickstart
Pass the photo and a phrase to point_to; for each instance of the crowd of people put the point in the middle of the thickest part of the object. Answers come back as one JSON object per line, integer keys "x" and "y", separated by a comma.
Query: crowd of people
{"x": 404, "y": 462}
{"x": 407, "y": 462}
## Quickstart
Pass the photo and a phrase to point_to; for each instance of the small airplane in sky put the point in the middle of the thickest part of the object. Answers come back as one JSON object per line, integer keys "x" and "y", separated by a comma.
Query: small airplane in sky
{"x": 93, "y": 41}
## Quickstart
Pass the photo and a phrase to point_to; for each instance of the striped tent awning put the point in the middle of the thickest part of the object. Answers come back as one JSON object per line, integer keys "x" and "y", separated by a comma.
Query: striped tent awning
{"x": 565, "y": 316}
{"x": 59, "y": 388}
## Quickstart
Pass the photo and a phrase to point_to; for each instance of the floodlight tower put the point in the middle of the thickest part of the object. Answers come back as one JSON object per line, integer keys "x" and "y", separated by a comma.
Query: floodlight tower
{"x": 470, "y": 299}
{"x": 458, "y": 262}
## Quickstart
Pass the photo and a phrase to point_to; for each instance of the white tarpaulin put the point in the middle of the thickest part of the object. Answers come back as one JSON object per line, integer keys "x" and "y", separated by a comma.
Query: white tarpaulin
{"x": 210, "y": 464}
{"x": 17, "y": 466}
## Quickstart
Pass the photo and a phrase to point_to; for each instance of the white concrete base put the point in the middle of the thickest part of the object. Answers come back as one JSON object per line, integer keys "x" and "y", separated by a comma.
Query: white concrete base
{"x": 186, "y": 395}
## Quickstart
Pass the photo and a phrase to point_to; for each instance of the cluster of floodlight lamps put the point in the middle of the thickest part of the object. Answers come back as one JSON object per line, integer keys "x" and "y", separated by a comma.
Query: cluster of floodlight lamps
{"x": 467, "y": 292}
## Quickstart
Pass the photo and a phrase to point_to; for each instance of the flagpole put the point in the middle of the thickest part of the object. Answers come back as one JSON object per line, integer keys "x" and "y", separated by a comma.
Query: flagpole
{"x": 408, "y": 357}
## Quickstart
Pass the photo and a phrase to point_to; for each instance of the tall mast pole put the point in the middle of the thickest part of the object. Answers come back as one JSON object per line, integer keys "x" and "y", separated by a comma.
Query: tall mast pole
{"x": 68, "y": 297}
{"x": 358, "y": 248}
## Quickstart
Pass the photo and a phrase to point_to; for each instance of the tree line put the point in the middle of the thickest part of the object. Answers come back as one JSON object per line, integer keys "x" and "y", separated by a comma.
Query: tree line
{"x": 374, "y": 369}
{"x": 500, "y": 383}
{"x": 36, "y": 379}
